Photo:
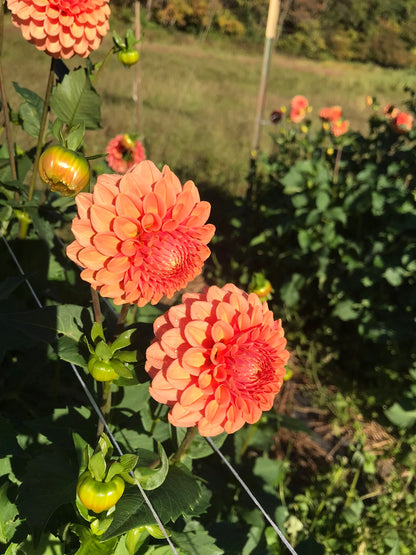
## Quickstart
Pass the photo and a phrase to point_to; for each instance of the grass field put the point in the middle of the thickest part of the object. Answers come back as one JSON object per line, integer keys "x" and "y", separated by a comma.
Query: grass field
{"x": 199, "y": 97}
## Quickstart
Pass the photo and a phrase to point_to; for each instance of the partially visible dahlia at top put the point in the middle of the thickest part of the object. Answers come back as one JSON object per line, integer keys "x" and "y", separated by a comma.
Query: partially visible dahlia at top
{"x": 62, "y": 28}
{"x": 217, "y": 360}
{"x": 141, "y": 235}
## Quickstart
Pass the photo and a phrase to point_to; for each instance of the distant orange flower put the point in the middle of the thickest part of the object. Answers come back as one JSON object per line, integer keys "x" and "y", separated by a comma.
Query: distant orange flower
{"x": 62, "y": 28}
{"x": 339, "y": 127}
{"x": 390, "y": 111}
{"x": 333, "y": 113}
{"x": 123, "y": 152}
{"x": 141, "y": 235}
{"x": 217, "y": 360}
{"x": 299, "y": 106}
{"x": 402, "y": 122}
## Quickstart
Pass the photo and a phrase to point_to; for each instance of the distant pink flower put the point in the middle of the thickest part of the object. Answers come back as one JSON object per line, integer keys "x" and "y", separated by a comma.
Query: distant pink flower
{"x": 299, "y": 106}
{"x": 333, "y": 113}
{"x": 217, "y": 360}
{"x": 390, "y": 111}
{"x": 402, "y": 123}
{"x": 339, "y": 127}
{"x": 123, "y": 153}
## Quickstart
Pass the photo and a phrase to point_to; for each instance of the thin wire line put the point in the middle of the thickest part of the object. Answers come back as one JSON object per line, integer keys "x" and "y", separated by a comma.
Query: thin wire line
{"x": 252, "y": 497}
{"x": 95, "y": 406}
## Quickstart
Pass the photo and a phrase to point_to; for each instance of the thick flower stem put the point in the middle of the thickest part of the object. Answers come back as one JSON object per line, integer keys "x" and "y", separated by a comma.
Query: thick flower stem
{"x": 336, "y": 167}
{"x": 105, "y": 406}
{"x": 7, "y": 126}
{"x": 121, "y": 319}
{"x": 42, "y": 129}
{"x": 96, "y": 306}
{"x": 186, "y": 443}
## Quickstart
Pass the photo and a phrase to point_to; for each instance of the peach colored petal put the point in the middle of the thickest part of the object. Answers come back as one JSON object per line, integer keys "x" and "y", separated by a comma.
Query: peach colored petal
{"x": 125, "y": 206}
{"x": 106, "y": 243}
{"x": 221, "y": 331}
{"x": 196, "y": 332}
{"x": 125, "y": 228}
{"x": 118, "y": 264}
{"x": 180, "y": 416}
{"x": 91, "y": 258}
{"x": 83, "y": 202}
{"x": 171, "y": 342}
{"x": 194, "y": 358}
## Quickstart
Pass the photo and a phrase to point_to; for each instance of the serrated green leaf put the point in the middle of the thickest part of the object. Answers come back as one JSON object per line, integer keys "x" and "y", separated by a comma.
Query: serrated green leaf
{"x": 75, "y": 101}
{"x": 75, "y": 136}
{"x": 177, "y": 495}
{"x": 197, "y": 542}
{"x": 345, "y": 310}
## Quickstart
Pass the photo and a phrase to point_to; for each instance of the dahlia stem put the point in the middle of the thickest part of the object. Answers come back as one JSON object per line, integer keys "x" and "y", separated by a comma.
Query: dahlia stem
{"x": 186, "y": 443}
{"x": 42, "y": 129}
{"x": 336, "y": 167}
{"x": 7, "y": 125}
{"x": 96, "y": 306}
{"x": 121, "y": 319}
{"x": 105, "y": 406}
{"x": 107, "y": 57}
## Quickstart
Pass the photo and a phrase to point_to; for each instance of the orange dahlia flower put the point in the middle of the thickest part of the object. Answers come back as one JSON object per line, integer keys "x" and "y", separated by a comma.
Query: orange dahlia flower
{"x": 402, "y": 123}
{"x": 333, "y": 113}
{"x": 141, "y": 235}
{"x": 299, "y": 106}
{"x": 217, "y": 360}
{"x": 123, "y": 152}
{"x": 62, "y": 28}
{"x": 339, "y": 127}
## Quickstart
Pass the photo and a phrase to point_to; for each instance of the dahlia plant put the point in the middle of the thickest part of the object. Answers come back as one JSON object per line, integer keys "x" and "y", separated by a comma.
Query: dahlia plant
{"x": 116, "y": 472}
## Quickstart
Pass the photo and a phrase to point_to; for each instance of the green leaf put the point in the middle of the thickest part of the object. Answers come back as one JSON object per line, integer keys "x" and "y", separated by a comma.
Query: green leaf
{"x": 103, "y": 351}
{"x": 322, "y": 200}
{"x": 394, "y": 276}
{"x": 30, "y": 111}
{"x": 90, "y": 544}
{"x": 400, "y": 416}
{"x": 76, "y": 136}
{"x": 97, "y": 466}
{"x": 345, "y": 311}
{"x": 177, "y": 495}
{"x": 194, "y": 539}
{"x": 75, "y": 101}
{"x": 200, "y": 448}
{"x": 122, "y": 341}
{"x": 152, "y": 478}
{"x": 97, "y": 331}
{"x": 8, "y": 513}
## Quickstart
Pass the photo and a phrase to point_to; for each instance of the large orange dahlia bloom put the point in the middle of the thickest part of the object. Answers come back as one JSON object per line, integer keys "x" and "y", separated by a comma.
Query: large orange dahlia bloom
{"x": 141, "y": 235}
{"x": 62, "y": 28}
{"x": 217, "y": 360}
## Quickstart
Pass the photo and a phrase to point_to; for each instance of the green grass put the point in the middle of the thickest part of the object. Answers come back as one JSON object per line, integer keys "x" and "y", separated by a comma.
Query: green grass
{"x": 198, "y": 97}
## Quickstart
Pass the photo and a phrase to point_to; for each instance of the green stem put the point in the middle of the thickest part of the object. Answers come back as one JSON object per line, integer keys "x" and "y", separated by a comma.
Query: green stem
{"x": 7, "y": 125}
{"x": 42, "y": 130}
{"x": 96, "y": 306}
{"x": 99, "y": 70}
{"x": 121, "y": 319}
{"x": 186, "y": 443}
{"x": 336, "y": 167}
{"x": 105, "y": 406}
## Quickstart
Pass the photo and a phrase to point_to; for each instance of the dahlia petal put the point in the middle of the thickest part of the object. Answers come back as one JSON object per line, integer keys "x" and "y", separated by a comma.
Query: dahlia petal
{"x": 66, "y": 39}
{"x": 193, "y": 396}
{"x": 190, "y": 187}
{"x": 105, "y": 190}
{"x": 180, "y": 416}
{"x": 37, "y": 31}
{"x": 118, "y": 264}
{"x": 77, "y": 30}
{"x": 128, "y": 247}
{"x": 90, "y": 32}
{"x": 151, "y": 222}
{"x": 201, "y": 310}
{"x": 243, "y": 322}
{"x": 221, "y": 331}
{"x": 222, "y": 395}
{"x": 72, "y": 251}
{"x": 234, "y": 421}
{"x": 83, "y": 202}
{"x": 83, "y": 232}
{"x": 153, "y": 204}
{"x": 240, "y": 303}
{"x": 215, "y": 413}
{"x": 207, "y": 429}
{"x": 161, "y": 324}
{"x": 172, "y": 181}
{"x": 166, "y": 192}
{"x": 215, "y": 293}
{"x": 204, "y": 382}
{"x": 155, "y": 356}
{"x": 89, "y": 257}
{"x": 177, "y": 376}
{"x": 196, "y": 332}
{"x": 125, "y": 228}
{"x": 52, "y": 27}
{"x": 66, "y": 20}
{"x": 107, "y": 243}
{"x": 162, "y": 391}
{"x": 176, "y": 314}
{"x": 88, "y": 275}
{"x": 194, "y": 359}
{"x": 147, "y": 172}
{"x": 112, "y": 290}
{"x": 132, "y": 186}
{"x": 126, "y": 207}
{"x": 171, "y": 341}
{"x": 101, "y": 218}
{"x": 199, "y": 214}
{"x": 105, "y": 277}
{"x": 225, "y": 312}
{"x": 183, "y": 206}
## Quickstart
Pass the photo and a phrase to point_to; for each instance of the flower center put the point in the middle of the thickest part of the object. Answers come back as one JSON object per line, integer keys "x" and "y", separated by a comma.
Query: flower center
{"x": 250, "y": 366}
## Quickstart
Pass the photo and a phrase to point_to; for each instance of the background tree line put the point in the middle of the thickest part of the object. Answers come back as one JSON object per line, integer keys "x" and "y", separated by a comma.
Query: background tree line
{"x": 378, "y": 31}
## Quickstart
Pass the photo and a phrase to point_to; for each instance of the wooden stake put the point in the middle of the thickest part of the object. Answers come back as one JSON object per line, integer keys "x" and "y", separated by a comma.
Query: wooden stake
{"x": 138, "y": 84}
{"x": 272, "y": 19}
